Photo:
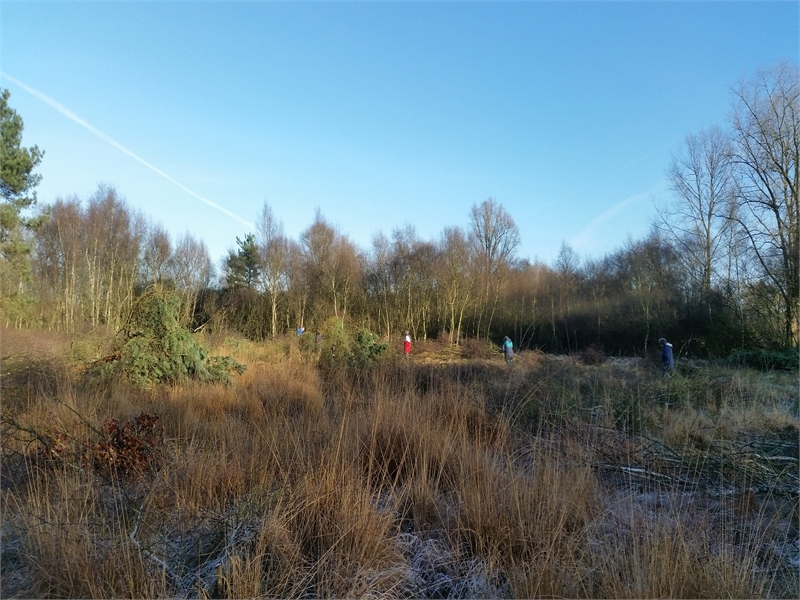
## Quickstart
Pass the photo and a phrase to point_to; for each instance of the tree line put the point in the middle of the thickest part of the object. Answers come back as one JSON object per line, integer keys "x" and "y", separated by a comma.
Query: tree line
{"x": 718, "y": 271}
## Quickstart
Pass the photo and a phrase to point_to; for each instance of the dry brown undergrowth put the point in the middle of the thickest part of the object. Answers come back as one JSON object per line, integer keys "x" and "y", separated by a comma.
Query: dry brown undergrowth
{"x": 460, "y": 480}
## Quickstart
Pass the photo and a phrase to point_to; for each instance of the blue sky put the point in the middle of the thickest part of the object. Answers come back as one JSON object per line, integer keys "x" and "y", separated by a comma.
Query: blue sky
{"x": 381, "y": 113}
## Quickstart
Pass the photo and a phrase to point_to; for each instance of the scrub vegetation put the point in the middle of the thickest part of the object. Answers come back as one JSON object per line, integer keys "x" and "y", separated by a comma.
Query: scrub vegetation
{"x": 446, "y": 476}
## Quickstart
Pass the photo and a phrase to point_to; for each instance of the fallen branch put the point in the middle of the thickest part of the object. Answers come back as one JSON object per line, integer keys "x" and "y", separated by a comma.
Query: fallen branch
{"x": 208, "y": 576}
{"x": 150, "y": 555}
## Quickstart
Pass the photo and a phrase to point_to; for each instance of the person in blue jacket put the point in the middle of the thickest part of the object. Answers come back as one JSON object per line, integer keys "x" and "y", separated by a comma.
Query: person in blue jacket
{"x": 667, "y": 360}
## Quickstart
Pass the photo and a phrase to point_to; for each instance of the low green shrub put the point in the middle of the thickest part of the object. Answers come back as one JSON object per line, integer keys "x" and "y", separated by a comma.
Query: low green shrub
{"x": 766, "y": 360}
{"x": 343, "y": 347}
{"x": 367, "y": 349}
{"x": 154, "y": 348}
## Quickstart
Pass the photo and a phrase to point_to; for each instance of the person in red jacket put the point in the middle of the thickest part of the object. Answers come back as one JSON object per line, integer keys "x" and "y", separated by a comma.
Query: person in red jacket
{"x": 407, "y": 344}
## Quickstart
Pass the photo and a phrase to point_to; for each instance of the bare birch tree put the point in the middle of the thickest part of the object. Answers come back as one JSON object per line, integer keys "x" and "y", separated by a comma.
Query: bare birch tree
{"x": 455, "y": 280}
{"x": 156, "y": 256}
{"x": 112, "y": 240}
{"x": 697, "y": 221}
{"x": 273, "y": 252}
{"x": 332, "y": 263}
{"x": 58, "y": 263}
{"x": 379, "y": 280}
{"x": 192, "y": 271}
{"x": 766, "y": 125}
{"x": 495, "y": 237}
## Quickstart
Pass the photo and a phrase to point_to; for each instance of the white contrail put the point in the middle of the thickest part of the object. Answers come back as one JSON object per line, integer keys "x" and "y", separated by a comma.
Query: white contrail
{"x": 586, "y": 235}
{"x": 71, "y": 115}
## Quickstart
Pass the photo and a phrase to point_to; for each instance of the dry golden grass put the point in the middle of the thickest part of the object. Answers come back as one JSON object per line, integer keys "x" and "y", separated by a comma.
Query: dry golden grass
{"x": 688, "y": 426}
{"x": 63, "y": 542}
{"x": 409, "y": 480}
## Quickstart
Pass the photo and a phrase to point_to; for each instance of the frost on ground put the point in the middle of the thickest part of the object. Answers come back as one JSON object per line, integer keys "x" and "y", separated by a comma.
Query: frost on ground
{"x": 433, "y": 571}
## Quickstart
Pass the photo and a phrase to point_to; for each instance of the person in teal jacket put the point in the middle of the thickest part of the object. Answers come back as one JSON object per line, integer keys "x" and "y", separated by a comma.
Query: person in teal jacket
{"x": 508, "y": 350}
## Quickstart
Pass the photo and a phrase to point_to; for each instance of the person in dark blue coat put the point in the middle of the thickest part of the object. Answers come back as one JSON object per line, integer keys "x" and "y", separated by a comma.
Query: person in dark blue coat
{"x": 667, "y": 360}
